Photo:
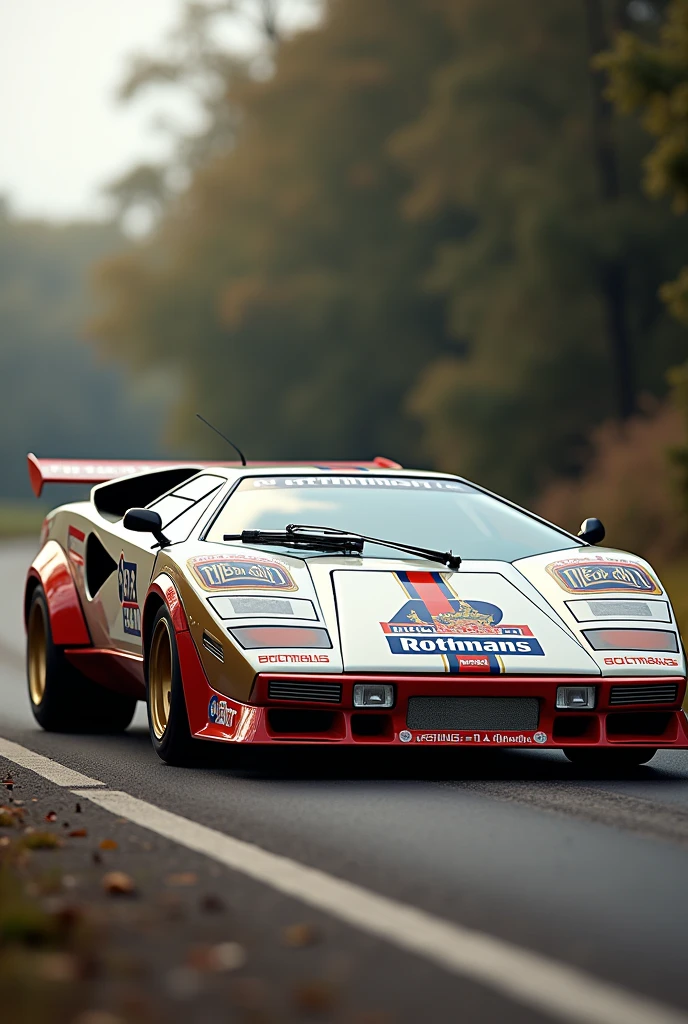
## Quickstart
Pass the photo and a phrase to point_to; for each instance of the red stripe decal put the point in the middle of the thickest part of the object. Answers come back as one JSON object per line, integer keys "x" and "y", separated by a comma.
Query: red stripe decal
{"x": 430, "y": 592}
{"x": 73, "y": 532}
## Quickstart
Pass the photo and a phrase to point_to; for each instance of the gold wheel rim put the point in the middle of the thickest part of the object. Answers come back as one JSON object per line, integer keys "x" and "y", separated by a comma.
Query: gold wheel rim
{"x": 37, "y": 653}
{"x": 160, "y": 678}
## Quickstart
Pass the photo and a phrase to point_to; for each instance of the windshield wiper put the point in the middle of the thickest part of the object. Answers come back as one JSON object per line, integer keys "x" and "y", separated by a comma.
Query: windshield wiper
{"x": 325, "y": 538}
{"x": 343, "y": 543}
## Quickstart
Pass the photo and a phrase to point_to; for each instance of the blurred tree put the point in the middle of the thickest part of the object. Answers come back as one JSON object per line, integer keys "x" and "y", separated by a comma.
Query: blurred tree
{"x": 57, "y": 397}
{"x": 651, "y": 77}
{"x": 283, "y": 284}
{"x": 553, "y": 292}
{"x": 422, "y": 234}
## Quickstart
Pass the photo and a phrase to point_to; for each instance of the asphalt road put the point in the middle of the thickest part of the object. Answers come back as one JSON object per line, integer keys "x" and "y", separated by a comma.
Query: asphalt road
{"x": 587, "y": 871}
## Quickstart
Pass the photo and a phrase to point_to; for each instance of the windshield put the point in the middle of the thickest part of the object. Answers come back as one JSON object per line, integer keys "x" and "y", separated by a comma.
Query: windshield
{"x": 440, "y": 514}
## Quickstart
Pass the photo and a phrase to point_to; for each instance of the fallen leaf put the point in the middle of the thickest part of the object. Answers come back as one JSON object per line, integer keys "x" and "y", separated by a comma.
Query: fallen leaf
{"x": 299, "y": 935}
{"x": 11, "y": 816}
{"x": 4, "y": 841}
{"x": 8, "y": 781}
{"x": 96, "y": 858}
{"x": 34, "y": 799}
{"x": 40, "y": 840}
{"x": 107, "y": 844}
{"x": 65, "y": 824}
{"x": 225, "y": 956}
{"x": 117, "y": 883}
{"x": 182, "y": 878}
{"x": 211, "y": 904}
{"x": 314, "y": 997}
{"x": 98, "y": 1017}
{"x": 61, "y": 967}
{"x": 77, "y": 833}
{"x": 77, "y": 809}
{"x": 51, "y": 816}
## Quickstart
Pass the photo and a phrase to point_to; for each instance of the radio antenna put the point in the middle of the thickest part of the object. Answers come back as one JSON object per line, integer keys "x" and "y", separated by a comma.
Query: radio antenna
{"x": 237, "y": 450}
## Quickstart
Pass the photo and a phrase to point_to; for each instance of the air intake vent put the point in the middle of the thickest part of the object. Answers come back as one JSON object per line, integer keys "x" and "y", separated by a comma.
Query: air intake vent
{"x": 321, "y": 693}
{"x": 659, "y": 693}
{"x": 214, "y": 646}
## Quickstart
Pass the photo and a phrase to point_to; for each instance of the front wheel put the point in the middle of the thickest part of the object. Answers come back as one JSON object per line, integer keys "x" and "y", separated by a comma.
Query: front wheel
{"x": 62, "y": 699}
{"x": 167, "y": 717}
{"x": 610, "y": 760}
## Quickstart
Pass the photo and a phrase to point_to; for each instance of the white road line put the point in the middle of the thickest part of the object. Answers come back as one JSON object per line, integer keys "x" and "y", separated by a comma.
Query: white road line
{"x": 536, "y": 981}
{"x": 51, "y": 770}
{"x": 564, "y": 993}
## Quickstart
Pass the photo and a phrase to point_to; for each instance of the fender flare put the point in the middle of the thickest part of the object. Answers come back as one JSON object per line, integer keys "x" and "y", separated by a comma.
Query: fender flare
{"x": 163, "y": 589}
{"x": 52, "y": 570}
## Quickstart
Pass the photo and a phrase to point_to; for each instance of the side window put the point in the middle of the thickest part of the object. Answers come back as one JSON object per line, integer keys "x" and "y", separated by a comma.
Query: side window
{"x": 181, "y": 510}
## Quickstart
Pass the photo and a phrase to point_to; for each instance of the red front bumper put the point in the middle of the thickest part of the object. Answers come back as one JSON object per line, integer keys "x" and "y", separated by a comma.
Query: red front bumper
{"x": 214, "y": 716}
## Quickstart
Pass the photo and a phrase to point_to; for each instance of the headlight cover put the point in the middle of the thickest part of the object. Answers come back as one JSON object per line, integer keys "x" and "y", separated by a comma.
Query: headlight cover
{"x": 631, "y": 639}
{"x": 254, "y": 637}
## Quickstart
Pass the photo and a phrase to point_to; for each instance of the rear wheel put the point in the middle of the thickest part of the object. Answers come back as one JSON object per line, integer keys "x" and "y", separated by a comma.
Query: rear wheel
{"x": 167, "y": 717}
{"x": 610, "y": 760}
{"x": 62, "y": 699}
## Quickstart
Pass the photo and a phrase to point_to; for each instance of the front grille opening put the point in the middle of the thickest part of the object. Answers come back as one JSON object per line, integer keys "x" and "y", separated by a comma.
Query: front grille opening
{"x": 576, "y": 727}
{"x": 489, "y": 713}
{"x": 640, "y": 723}
{"x": 301, "y": 722}
{"x": 313, "y": 692}
{"x": 372, "y": 726}
{"x": 647, "y": 693}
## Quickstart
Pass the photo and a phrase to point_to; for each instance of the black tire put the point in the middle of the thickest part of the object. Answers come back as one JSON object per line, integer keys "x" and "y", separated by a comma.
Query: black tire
{"x": 61, "y": 698}
{"x": 168, "y": 720}
{"x": 610, "y": 760}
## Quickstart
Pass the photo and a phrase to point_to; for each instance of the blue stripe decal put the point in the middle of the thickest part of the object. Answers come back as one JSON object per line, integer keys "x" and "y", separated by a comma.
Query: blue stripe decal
{"x": 403, "y": 577}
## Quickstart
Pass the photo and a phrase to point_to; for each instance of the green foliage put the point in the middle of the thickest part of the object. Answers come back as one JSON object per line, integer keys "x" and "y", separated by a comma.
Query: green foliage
{"x": 57, "y": 396}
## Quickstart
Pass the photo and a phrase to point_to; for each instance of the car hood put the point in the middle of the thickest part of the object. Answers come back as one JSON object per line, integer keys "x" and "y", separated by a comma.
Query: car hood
{"x": 412, "y": 616}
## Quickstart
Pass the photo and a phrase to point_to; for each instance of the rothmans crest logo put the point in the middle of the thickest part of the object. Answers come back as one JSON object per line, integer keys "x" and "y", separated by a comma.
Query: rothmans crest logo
{"x": 469, "y": 635}
{"x": 459, "y": 620}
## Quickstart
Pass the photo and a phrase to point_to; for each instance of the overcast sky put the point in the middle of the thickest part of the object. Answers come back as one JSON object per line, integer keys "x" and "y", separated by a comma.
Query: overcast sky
{"x": 62, "y": 133}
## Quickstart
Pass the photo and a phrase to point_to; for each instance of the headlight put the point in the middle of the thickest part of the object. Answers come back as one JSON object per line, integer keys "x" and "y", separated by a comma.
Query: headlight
{"x": 631, "y": 639}
{"x": 251, "y": 637}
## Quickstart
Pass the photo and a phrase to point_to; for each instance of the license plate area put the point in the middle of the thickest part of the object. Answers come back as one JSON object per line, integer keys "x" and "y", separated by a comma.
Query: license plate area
{"x": 482, "y": 713}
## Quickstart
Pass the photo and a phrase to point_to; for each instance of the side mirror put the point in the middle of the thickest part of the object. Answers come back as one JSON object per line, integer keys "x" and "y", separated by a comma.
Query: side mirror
{"x": 592, "y": 531}
{"x": 145, "y": 520}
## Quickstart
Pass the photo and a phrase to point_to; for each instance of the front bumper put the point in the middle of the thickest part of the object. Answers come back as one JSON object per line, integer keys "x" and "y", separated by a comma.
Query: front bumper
{"x": 267, "y": 719}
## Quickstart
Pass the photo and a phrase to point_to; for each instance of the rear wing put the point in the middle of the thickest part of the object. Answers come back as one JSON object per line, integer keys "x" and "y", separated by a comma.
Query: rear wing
{"x": 89, "y": 471}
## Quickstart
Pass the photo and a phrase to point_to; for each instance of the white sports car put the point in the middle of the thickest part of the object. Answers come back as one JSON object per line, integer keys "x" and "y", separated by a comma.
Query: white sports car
{"x": 350, "y": 603}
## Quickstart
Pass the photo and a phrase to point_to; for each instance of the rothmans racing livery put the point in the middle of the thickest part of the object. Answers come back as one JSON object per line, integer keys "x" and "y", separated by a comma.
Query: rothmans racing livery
{"x": 342, "y": 603}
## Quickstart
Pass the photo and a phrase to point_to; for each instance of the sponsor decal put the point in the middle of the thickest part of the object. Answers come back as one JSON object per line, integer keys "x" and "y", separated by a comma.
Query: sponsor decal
{"x": 293, "y": 659}
{"x": 521, "y": 739}
{"x": 75, "y": 546}
{"x": 405, "y": 736}
{"x": 602, "y": 576}
{"x": 217, "y": 572}
{"x": 128, "y": 596}
{"x": 470, "y": 635}
{"x": 220, "y": 713}
{"x": 643, "y": 659}
{"x": 317, "y": 483}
